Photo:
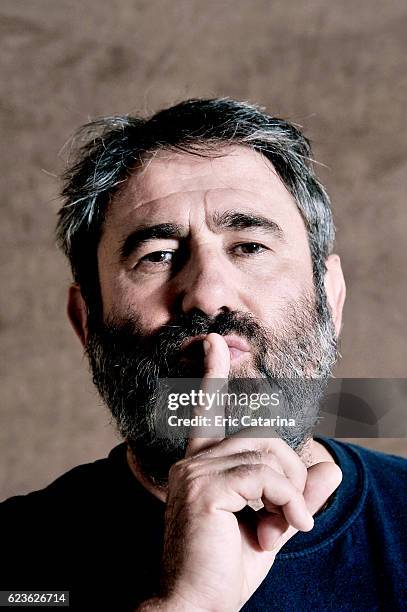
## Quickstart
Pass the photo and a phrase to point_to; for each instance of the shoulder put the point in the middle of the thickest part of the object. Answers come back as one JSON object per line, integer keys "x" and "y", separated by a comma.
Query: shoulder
{"x": 74, "y": 486}
{"x": 385, "y": 477}
{"x": 381, "y": 465}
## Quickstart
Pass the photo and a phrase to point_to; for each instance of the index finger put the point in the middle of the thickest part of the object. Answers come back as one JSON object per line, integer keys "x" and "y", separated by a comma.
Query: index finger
{"x": 217, "y": 366}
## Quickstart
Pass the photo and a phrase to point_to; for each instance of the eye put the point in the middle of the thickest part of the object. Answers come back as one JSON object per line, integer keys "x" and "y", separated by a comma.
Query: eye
{"x": 157, "y": 258}
{"x": 250, "y": 248}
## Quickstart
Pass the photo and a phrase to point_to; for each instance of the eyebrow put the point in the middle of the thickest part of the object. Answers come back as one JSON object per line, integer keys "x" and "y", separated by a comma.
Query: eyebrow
{"x": 146, "y": 233}
{"x": 226, "y": 221}
{"x": 233, "y": 220}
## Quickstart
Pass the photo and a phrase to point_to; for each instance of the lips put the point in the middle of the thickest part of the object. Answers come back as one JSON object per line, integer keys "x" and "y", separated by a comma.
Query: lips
{"x": 237, "y": 343}
{"x": 238, "y": 346}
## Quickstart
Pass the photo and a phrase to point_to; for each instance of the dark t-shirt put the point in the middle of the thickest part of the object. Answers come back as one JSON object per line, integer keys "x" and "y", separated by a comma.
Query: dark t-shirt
{"x": 97, "y": 532}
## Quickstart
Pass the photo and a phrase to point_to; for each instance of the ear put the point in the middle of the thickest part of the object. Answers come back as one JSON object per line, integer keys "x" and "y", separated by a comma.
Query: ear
{"x": 335, "y": 289}
{"x": 78, "y": 313}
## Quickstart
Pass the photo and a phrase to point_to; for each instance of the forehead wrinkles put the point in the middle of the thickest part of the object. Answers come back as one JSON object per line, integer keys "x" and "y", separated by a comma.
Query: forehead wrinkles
{"x": 179, "y": 206}
{"x": 234, "y": 167}
{"x": 186, "y": 188}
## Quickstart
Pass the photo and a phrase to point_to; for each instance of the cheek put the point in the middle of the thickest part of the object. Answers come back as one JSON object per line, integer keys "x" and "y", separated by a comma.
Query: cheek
{"x": 268, "y": 296}
{"x": 122, "y": 297}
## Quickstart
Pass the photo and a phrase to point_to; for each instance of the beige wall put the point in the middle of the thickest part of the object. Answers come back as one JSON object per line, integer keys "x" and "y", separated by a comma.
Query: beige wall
{"x": 338, "y": 68}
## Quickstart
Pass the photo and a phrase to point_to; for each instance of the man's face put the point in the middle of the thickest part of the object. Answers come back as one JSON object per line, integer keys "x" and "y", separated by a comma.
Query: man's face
{"x": 210, "y": 265}
{"x": 192, "y": 245}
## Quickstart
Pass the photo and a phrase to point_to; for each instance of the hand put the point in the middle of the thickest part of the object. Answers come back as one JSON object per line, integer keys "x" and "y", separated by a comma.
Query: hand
{"x": 216, "y": 556}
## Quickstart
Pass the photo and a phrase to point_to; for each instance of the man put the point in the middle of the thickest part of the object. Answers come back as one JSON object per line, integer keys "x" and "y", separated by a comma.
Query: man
{"x": 200, "y": 242}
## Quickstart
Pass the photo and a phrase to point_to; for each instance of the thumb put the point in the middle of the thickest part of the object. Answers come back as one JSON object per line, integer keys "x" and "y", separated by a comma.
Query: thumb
{"x": 322, "y": 480}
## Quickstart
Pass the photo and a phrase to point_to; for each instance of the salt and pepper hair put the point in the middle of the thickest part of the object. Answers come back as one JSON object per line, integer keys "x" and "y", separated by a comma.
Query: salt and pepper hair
{"x": 114, "y": 147}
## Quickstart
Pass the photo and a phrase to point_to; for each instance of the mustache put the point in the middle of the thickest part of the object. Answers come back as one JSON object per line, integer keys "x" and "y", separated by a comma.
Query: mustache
{"x": 169, "y": 338}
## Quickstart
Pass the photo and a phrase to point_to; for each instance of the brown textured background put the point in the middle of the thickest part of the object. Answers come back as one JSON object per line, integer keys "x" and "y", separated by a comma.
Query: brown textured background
{"x": 337, "y": 68}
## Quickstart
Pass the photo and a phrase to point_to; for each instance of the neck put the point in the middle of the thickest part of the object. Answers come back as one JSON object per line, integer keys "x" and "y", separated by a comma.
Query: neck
{"x": 159, "y": 492}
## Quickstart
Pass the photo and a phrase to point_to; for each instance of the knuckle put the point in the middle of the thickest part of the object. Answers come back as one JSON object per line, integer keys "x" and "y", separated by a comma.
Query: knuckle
{"x": 185, "y": 484}
{"x": 274, "y": 463}
{"x": 262, "y": 468}
{"x": 193, "y": 488}
{"x": 264, "y": 457}
{"x": 173, "y": 471}
{"x": 246, "y": 469}
{"x": 184, "y": 472}
{"x": 177, "y": 470}
{"x": 253, "y": 456}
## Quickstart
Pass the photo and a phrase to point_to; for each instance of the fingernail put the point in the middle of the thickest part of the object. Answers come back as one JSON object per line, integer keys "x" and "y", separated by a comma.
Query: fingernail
{"x": 206, "y": 346}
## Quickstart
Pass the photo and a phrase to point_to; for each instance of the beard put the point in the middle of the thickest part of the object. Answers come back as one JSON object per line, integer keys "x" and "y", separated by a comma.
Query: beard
{"x": 127, "y": 365}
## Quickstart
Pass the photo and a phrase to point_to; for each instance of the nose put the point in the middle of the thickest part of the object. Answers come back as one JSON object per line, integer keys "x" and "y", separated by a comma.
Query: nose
{"x": 207, "y": 284}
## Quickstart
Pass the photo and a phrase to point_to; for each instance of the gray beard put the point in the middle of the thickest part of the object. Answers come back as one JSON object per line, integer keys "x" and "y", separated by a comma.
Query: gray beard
{"x": 128, "y": 366}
